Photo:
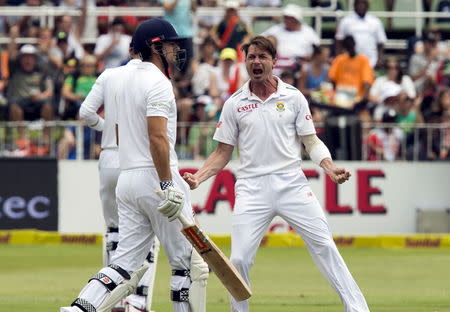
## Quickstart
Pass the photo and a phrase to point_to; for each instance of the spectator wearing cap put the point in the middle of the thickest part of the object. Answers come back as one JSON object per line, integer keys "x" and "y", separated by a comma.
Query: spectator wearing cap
{"x": 295, "y": 39}
{"x": 112, "y": 48}
{"x": 366, "y": 29}
{"x": 230, "y": 74}
{"x": 231, "y": 31}
{"x": 29, "y": 90}
{"x": 423, "y": 66}
{"x": 390, "y": 93}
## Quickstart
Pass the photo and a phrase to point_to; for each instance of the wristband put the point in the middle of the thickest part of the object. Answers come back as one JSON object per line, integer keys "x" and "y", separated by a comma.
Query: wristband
{"x": 165, "y": 184}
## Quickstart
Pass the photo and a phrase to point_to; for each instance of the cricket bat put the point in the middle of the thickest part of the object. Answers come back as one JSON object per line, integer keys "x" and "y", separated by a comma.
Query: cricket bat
{"x": 216, "y": 260}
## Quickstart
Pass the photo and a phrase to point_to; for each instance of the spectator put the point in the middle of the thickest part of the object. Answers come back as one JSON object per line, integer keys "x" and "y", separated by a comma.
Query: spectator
{"x": 443, "y": 73}
{"x": 204, "y": 81}
{"x": 77, "y": 86}
{"x": 442, "y": 46}
{"x": 444, "y": 103}
{"x": 200, "y": 133}
{"x": 408, "y": 115}
{"x": 231, "y": 31}
{"x": 384, "y": 143}
{"x": 366, "y": 29}
{"x": 206, "y": 23}
{"x": 112, "y": 48}
{"x": 46, "y": 59}
{"x": 390, "y": 93}
{"x": 393, "y": 73}
{"x": 73, "y": 30}
{"x": 352, "y": 76}
{"x": 315, "y": 73}
{"x": 6, "y": 22}
{"x": 63, "y": 57}
{"x": 440, "y": 138}
{"x": 230, "y": 74}
{"x": 423, "y": 69}
{"x": 295, "y": 39}
{"x": 29, "y": 25}
{"x": 90, "y": 28}
{"x": 29, "y": 91}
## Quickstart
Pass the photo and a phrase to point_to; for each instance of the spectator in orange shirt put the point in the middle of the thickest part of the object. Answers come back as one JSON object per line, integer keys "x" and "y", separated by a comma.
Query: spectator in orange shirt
{"x": 352, "y": 77}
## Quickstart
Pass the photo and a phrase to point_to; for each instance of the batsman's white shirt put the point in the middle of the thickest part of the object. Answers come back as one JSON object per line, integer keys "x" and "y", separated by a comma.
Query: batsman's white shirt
{"x": 104, "y": 92}
{"x": 147, "y": 93}
{"x": 266, "y": 132}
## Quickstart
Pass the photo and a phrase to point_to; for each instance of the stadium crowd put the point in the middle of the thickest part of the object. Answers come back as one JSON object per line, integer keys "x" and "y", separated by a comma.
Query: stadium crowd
{"x": 352, "y": 77}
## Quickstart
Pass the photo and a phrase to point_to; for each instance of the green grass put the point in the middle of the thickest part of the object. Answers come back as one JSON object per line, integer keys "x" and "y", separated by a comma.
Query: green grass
{"x": 43, "y": 278}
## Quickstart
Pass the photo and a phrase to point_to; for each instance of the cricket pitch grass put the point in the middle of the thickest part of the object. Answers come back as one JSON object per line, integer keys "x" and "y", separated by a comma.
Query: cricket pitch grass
{"x": 43, "y": 278}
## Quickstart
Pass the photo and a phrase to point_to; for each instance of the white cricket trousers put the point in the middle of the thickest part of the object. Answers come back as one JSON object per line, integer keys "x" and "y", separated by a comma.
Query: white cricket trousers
{"x": 109, "y": 170}
{"x": 139, "y": 221}
{"x": 288, "y": 195}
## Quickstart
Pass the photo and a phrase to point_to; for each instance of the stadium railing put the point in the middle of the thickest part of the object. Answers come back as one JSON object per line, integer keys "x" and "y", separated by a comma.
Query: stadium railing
{"x": 416, "y": 143}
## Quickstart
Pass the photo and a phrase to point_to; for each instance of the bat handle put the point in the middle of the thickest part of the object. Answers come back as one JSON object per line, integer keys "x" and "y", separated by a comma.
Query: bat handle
{"x": 184, "y": 221}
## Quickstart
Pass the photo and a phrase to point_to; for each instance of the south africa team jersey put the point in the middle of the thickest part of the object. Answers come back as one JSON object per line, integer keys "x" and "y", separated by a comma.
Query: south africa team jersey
{"x": 266, "y": 133}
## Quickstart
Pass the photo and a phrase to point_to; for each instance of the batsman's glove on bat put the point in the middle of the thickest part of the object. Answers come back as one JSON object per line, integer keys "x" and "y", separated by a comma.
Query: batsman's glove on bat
{"x": 172, "y": 202}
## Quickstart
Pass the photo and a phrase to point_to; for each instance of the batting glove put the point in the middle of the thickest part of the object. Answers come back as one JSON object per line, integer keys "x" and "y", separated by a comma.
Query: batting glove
{"x": 172, "y": 202}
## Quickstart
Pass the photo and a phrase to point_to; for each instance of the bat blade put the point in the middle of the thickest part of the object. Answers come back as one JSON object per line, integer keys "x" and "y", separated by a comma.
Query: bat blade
{"x": 218, "y": 262}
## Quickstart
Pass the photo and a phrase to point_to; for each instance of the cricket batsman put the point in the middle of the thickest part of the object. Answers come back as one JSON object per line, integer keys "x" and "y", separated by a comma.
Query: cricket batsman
{"x": 150, "y": 191}
{"x": 268, "y": 120}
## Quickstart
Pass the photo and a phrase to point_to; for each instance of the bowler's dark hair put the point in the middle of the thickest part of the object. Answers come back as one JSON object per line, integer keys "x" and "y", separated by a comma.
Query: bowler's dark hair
{"x": 262, "y": 43}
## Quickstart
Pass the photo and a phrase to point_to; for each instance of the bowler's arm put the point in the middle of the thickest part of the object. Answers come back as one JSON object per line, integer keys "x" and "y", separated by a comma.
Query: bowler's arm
{"x": 213, "y": 164}
{"x": 321, "y": 156}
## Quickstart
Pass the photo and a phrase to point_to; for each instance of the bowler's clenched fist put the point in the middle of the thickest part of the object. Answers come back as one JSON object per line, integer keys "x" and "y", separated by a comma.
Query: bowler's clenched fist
{"x": 191, "y": 180}
{"x": 338, "y": 175}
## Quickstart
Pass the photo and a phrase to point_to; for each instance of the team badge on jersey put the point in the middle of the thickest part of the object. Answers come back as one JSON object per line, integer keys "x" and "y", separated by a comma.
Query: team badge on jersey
{"x": 280, "y": 106}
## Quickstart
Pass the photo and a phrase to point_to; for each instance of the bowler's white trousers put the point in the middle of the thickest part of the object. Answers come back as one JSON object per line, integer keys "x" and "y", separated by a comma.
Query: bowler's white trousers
{"x": 288, "y": 195}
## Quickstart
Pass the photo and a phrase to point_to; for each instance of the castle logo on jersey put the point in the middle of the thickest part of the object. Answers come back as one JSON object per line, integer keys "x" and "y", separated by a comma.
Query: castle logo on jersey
{"x": 280, "y": 106}
{"x": 247, "y": 108}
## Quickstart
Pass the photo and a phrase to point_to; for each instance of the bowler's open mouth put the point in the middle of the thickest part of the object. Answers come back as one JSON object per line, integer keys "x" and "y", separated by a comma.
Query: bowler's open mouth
{"x": 257, "y": 71}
